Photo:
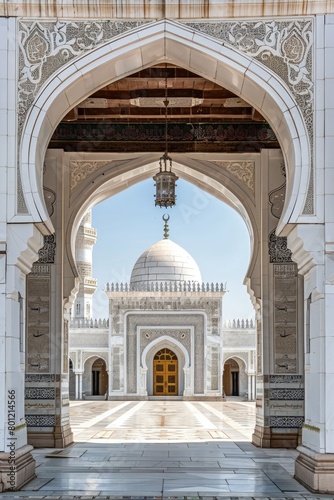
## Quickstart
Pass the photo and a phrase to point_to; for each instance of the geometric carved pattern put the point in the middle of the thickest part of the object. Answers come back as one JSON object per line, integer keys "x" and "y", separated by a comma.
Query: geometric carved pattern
{"x": 149, "y": 335}
{"x": 39, "y": 393}
{"x": 286, "y": 394}
{"x": 184, "y": 321}
{"x": 278, "y": 250}
{"x": 244, "y": 171}
{"x": 46, "y": 254}
{"x": 291, "y": 422}
{"x": 40, "y": 420}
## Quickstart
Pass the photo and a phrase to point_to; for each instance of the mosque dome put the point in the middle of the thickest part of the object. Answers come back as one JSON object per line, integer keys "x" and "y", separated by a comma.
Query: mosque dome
{"x": 165, "y": 261}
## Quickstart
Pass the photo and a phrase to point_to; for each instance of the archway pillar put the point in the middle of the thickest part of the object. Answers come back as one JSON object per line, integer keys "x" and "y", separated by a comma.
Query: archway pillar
{"x": 315, "y": 463}
{"x": 17, "y": 465}
{"x": 47, "y": 369}
{"x": 279, "y": 390}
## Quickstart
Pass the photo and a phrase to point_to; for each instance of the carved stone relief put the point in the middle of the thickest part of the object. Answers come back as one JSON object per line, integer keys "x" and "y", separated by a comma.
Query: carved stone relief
{"x": 214, "y": 370}
{"x": 244, "y": 171}
{"x": 46, "y": 254}
{"x": 38, "y": 320}
{"x": 80, "y": 170}
{"x": 284, "y": 422}
{"x": 286, "y": 394}
{"x": 276, "y": 200}
{"x": 285, "y": 47}
{"x": 40, "y": 377}
{"x": 278, "y": 249}
{"x": 181, "y": 335}
{"x": 285, "y": 318}
{"x": 116, "y": 368}
{"x": 40, "y": 420}
{"x": 65, "y": 347}
{"x": 259, "y": 346}
{"x": 133, "y": 321}
{"x": 39, "y": 393}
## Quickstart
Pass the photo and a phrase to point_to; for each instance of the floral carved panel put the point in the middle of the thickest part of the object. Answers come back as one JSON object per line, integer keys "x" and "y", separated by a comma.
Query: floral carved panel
{"x": 284, "y": 46}
{"x": 244, "y": 171}
{"x": 80, "y": 170}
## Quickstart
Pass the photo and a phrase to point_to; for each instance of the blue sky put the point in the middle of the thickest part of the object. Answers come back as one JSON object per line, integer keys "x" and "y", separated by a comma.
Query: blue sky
{"x": 212, "y": 232}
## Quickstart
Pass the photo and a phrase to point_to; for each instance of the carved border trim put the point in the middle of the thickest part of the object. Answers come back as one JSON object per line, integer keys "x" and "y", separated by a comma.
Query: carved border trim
{"x": 284, "y": 46}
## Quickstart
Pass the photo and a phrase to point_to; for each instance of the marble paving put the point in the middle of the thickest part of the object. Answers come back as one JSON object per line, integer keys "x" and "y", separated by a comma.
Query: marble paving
{"x": 163, "y": 449}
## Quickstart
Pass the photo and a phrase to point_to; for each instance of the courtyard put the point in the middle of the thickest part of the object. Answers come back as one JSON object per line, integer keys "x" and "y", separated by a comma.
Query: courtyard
{"x": 163, "y": 449}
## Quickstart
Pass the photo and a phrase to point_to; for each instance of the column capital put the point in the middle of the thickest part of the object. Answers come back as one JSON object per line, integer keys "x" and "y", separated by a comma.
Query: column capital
{"x": 306, "y": 242}
{"x": 24, "y": 242}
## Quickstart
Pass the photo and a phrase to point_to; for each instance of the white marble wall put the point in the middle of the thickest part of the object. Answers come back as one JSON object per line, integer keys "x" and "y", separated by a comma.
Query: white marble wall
{"x": 312, "y": 240}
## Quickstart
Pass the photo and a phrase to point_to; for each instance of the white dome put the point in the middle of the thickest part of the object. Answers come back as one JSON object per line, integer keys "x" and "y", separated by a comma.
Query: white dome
{"x": 165, "y": 261}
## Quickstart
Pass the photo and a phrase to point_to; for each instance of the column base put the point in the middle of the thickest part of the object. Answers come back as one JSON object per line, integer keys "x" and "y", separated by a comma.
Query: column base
{"x": 15, "y": 474}
{"x": 315, "y": 470}
{"x": 60, "y": 436}
{"x": 267, "y": 437}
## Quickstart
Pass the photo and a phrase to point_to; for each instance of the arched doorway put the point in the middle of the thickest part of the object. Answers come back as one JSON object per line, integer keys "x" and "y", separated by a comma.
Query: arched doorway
{"x": 165, "y": 373}
{"x": 99, "y": 378}
{"x": 234, "y": 377}
{"x": 231, "y": 378}
{"x": 237, "y": 79}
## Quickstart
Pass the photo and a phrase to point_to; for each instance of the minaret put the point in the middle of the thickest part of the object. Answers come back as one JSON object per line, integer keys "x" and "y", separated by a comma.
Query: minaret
{"x": 85, "y": 240}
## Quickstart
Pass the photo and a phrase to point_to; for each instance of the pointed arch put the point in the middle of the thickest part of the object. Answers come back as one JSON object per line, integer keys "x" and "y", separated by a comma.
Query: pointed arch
{"x": 142, "y": 47}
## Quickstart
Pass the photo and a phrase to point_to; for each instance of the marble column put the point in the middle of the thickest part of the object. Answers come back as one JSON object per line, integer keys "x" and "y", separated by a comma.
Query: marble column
{"x": 80, "y": 386}
{"x": 17, "y": 465}
{"x": 47, "y": 370}
{"x": 279, "y": 389}
{"x": 315, "y": 463}
{"x": 76, "y": 386}
{"x": 249, "y": 391}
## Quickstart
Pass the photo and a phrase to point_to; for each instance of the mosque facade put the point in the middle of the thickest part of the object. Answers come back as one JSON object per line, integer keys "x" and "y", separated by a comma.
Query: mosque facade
{"x": 164, "y": 337}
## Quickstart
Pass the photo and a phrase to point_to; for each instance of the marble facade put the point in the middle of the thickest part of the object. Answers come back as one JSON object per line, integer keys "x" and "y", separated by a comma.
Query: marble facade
{"x": 277, "y": 57}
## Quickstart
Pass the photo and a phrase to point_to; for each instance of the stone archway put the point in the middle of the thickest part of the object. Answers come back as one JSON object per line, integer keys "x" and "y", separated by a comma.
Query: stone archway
{"x": 143, "y": 47}
{"x": 183, "y": 365}
{"x": 192, "y": 45}
{"x": 241, "y": 73}
{"x": 234, "y": 377}
{"x": 242, "y": 76}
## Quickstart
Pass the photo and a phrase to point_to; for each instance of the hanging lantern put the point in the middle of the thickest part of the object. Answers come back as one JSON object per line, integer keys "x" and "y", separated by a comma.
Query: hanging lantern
{"x": 165, "y": 183}
{"x": 165, "y": 179}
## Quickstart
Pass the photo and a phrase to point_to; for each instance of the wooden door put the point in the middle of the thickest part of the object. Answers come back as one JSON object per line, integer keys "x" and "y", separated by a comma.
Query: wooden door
{"x": 165, "y": 373}
{"x": 227, "y": 379}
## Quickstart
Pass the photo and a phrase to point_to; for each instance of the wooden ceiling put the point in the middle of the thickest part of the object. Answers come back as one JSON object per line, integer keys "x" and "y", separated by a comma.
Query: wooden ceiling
{"x": 113, "y": 102}
{"x": 131, "y": 115}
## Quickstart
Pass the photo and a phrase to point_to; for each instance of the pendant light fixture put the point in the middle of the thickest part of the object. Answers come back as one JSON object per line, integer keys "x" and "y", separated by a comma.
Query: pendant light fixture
{"x": 165, "y": 179}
